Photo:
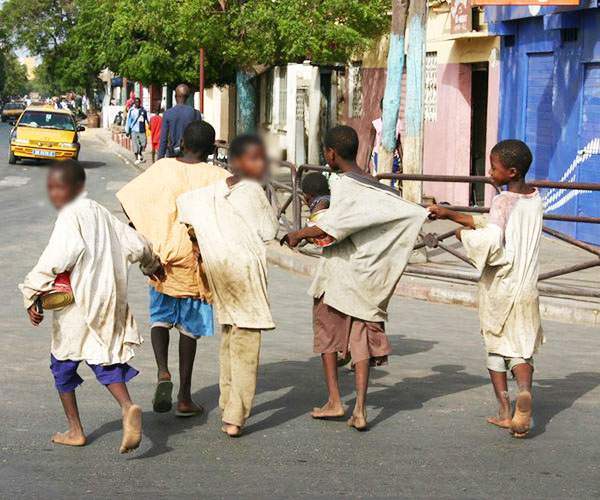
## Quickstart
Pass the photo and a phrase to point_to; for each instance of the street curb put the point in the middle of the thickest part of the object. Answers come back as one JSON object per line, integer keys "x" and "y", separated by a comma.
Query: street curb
{"x": 119, "y": 151}
{"x": 552, "y": 309}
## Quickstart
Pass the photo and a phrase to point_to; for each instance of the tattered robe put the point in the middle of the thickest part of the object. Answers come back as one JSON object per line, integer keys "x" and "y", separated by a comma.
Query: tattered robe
{"x": 149, "y": 201}
{"x": 232, "y": 225}
{"x": 96, "y": 249}
{"x": 505, "y": 247}
{"x": 375, "y": 231}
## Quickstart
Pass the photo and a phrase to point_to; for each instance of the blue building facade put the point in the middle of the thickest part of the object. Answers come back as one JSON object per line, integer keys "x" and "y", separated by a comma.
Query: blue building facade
{"x": 550, "y": 98}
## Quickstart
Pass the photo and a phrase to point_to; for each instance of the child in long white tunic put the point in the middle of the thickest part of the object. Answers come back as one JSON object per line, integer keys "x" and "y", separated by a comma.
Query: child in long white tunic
{"x": 505, "y": 248}
{"x": 96, "y": 250}
{"x": 232, "y": 220}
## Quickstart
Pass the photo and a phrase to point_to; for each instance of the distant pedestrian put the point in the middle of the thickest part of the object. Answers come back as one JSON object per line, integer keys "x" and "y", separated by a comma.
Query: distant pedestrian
{"x": 137, "y": 121}
{"x": 85, "y": 104}
{"x": 175, "y": 120}
{"x": 155, "y": 127}
{"x": 375, "y": 144}
{"x": 96, "y": 249}
{"x": 505, "y": 247}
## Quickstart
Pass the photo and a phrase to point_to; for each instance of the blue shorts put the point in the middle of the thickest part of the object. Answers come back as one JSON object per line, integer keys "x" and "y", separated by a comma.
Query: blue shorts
{"x": 192, "y": 317}
{"x": 66, "y": 378}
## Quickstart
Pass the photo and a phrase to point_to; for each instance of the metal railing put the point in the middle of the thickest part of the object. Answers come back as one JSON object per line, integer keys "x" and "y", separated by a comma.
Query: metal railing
{"x": 432, "y": 240}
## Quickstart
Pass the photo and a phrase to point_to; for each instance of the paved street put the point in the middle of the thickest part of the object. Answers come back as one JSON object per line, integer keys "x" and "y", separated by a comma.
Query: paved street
{"x": 428, "y": 437}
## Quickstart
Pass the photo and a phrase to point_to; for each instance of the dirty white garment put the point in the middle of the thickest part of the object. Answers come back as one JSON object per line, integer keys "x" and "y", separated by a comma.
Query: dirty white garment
{"x": 232, "y": 225}
{"x": 375, "y": 231}
{"x": 505, "y": 248}
{"x": 96, "y": 249}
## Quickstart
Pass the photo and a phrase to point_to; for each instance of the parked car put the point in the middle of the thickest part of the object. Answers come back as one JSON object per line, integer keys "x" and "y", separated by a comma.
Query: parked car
{"x": 44, "y": 133}
{"x": 11, "y": 111}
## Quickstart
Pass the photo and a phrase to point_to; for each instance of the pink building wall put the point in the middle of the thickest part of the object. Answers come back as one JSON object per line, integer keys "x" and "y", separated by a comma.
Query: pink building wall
{"x": 447, "y": 141}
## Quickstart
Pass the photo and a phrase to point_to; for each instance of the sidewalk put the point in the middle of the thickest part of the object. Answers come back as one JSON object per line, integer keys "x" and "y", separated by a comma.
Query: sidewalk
{"x": 554, "y": 255}
{"x": 126, "y": 155}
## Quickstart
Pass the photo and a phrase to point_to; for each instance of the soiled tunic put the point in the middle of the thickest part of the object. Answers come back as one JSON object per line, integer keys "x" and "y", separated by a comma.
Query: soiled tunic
{"x": 375, "y": 231}
{"x": 505, "y": 247}
{"x": 150, "y": 203}
{"x": 232, "y": 225}
{"x": 96, "y": 249}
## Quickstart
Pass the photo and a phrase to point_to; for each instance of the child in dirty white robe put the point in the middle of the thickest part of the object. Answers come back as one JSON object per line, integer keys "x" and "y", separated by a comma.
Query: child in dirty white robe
{"x": 96, "y": 250}
{"x": 505, "y": 248}
{"x": 375, "y": 231}
{"x": 232, "y": 220}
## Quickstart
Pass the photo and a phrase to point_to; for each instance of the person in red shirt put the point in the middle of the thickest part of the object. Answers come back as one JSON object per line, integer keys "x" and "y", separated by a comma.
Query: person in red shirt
{"x": 155, "y": 127}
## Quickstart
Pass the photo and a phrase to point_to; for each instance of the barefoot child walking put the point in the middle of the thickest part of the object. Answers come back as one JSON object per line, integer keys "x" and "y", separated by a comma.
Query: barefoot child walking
{"x": 375, "y": 231}
{"x": 505, "y": 248}
{"x": 183, "y": 300}
{"x": 232, "y": 221}
{"x": 96, "y": 250}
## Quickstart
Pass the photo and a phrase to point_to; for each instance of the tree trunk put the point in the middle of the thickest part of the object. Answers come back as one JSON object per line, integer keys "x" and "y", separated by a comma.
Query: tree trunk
{"x": 246, "y": 102}
{"x": 393, "y": 86}
{"x": 415, "y": 72}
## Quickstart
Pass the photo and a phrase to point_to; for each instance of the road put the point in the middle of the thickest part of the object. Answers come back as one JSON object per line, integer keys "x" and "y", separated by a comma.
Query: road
{"x": 428, "y": 437}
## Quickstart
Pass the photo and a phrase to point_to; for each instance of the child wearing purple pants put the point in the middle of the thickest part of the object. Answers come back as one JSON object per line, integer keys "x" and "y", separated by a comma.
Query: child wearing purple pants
{"x": 96, "y": 250}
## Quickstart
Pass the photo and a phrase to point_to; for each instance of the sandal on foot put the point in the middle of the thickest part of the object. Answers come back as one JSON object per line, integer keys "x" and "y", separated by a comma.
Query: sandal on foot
{"x": 162, "y": 401}
{"x": 189, "y": 413}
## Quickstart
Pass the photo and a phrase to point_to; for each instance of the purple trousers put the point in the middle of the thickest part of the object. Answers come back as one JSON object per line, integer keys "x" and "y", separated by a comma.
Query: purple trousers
{"x": 66, "y": 378}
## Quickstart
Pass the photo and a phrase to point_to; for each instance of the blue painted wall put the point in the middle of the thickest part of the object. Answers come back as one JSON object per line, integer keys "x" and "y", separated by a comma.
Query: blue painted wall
{"x": 550, "y": 98}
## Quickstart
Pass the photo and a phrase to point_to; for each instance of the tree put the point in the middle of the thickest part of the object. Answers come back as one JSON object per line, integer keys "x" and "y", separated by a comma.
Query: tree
{"x": 13, "y": 76}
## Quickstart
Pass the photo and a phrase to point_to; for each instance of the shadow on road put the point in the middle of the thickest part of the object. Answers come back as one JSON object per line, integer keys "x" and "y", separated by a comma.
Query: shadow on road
{"x": 86, "y": 164}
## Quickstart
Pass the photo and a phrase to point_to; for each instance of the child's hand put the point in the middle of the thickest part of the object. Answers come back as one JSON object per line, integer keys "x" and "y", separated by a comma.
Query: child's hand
{"x": 291, "y": 240}
{"x": 35, "y": 316}
{"x": 438, "y": 212}
{"x": 160, "y": 273}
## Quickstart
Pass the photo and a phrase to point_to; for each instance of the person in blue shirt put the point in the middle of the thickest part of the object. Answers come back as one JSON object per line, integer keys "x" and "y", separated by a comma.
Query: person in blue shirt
{"x": 137, "y": 121}
{"x": 175, "y": 120}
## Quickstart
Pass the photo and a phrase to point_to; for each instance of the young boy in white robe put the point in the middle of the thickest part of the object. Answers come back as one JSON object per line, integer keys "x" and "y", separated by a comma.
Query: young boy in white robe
{"x": 505, "y": 247}
{"x": 96, "y": 250}
{"x": 232, "y": 220}
{"x": 375, "y": 232}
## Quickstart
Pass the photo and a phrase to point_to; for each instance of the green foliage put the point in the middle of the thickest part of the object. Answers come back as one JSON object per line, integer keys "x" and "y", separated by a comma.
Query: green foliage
{"x": 157, "y": 41}
{"x": 13, "y": 76}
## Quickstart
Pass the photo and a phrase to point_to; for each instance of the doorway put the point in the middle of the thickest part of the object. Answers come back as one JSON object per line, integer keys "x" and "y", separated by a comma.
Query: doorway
{"x": 479, "y": 104}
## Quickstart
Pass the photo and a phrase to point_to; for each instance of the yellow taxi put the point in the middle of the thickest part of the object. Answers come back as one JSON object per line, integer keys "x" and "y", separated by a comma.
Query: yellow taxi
{"x": 11, "y": 111}
{"x": 43, "y": 132}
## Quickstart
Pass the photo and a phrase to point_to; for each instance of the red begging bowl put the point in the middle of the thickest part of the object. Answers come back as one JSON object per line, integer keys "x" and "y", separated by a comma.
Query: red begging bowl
{"x": 60, "y": 296}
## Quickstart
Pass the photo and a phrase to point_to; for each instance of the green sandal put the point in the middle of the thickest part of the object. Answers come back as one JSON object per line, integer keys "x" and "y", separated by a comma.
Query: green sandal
{"x": 162, "y": 402}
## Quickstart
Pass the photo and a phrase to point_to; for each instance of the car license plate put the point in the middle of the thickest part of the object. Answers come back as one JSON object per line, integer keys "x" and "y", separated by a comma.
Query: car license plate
{"x": 41, "y": 152}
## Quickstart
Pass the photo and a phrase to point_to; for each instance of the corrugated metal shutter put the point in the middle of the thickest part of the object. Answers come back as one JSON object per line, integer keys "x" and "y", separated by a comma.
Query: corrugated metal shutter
{"x": 589, "y": 147}
{"x": 538, "y": 113}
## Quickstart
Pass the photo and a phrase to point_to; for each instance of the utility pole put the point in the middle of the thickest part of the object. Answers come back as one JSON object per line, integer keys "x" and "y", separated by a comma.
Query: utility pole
{"x": 201, "y": 76}
{"x": 415, "y": 74}
{"x": 393, "y": 86}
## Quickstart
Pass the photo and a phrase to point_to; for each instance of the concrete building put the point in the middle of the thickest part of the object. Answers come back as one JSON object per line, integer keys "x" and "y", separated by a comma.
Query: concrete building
{"x": 550, "y": 98}
{"x": 460, "y": 101}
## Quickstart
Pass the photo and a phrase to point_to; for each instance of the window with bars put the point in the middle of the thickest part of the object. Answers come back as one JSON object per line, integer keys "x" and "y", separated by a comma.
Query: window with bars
{"x": 430, "y": 95}
{"x": 282, "y": 119}
{"x": 355, "y": 90}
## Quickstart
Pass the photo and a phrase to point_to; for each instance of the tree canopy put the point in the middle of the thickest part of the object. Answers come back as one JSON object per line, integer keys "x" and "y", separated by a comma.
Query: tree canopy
{"x": 157, "y": 41}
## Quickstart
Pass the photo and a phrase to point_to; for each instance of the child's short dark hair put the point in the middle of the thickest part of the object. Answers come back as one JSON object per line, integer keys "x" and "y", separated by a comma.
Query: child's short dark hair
{"x": 71, "y": 171}
{"x": 513, "y": 153}
{"x": 343, "y": 140}
{"x": 199, "y": 137}
{"x": 315, "y": 184}
{"x": 240, "y": 143}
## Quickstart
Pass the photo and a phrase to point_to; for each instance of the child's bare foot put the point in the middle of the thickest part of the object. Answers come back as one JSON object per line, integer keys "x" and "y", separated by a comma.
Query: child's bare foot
{"x": 232, "y": 430}
{"x": 519, "y": 425}
{"x": 330, "y": 410}
{"x": 188, "y": 409}
{"x": 358, "y": 421}
{"x": 69, "y": 438}
{"x": 503, "y": 422}
{"x": 132, "y": 429}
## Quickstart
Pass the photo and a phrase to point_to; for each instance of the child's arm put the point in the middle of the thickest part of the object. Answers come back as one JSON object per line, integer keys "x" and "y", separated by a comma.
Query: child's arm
{"x": 440, "y": 212}
{"x": 322, "y": 205}
{"x": 294, "y": 238}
